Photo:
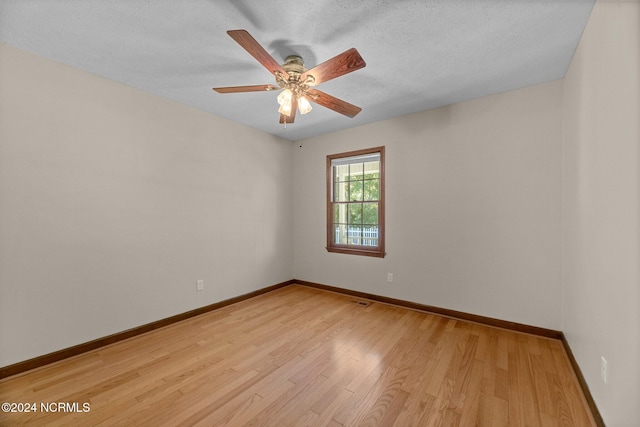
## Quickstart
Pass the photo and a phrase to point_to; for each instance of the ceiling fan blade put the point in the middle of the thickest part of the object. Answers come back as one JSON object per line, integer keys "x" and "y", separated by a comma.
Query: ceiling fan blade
{"x": 250, "y": 44}
{"x": 348, "y": 61}
{"x": 333, "y": 103}
{"x": 236, "y": 89}
{"x": 291, "y": 117}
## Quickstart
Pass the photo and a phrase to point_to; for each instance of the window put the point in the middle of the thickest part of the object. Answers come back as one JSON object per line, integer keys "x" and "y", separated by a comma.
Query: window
{"x": 355, "y": 202}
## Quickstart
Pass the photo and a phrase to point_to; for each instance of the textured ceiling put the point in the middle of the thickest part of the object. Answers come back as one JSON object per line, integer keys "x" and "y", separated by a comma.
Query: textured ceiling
{"x": 420, "y": 54}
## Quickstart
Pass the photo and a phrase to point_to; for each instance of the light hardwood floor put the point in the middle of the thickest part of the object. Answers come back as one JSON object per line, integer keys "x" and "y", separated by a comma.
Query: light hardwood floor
{"x": 303, "y": 356}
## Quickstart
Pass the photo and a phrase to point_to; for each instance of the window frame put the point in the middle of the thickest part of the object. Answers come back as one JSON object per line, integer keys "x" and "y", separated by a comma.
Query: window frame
{"x": 372, "y": 251}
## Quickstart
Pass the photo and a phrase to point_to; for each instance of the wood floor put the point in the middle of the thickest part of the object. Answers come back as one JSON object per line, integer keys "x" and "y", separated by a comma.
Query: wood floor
{"x": 303, "y": 356}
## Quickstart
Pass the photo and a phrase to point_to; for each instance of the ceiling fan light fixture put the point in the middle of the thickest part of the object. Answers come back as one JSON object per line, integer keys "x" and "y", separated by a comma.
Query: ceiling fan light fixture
{"x": 304, "y": 106}
{"x": 285, "y": 109}
{"x": 285, "y": 98}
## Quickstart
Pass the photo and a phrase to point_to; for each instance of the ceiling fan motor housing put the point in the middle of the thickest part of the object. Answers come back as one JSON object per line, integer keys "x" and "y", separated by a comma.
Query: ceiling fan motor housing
{"x": 294, "y": 65}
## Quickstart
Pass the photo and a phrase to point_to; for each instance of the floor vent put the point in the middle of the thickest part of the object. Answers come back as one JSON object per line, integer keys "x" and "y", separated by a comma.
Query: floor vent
{"x": 362, "y": 303}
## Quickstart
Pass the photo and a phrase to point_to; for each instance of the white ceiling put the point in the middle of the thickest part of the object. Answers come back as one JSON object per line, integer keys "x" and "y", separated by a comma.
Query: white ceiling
{"x": 420, "y": 54}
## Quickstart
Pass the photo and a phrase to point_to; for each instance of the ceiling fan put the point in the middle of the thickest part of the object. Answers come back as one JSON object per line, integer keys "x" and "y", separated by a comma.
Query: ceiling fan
{"x": 296, "y": 82}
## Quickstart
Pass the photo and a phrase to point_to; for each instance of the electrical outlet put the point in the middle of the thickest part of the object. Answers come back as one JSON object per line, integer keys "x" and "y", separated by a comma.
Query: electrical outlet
{"x": 390, "y": 277}
{"x": 199, "y": 285}
{"x": 603, "y": 369}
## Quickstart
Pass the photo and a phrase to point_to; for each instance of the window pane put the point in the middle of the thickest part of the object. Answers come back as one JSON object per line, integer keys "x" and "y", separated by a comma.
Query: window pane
{"x": 370, "y": 236}
{"x": 370, "y": 214}
{"x": 356, "y": 171}
{"x": 340, "y": 234}
{"x": 355, "y": 191}
{"x": 355, "y": 213}
{"x": 340, "y": 213}
{"x": 371, "y": 189}
{"x": 341, "y": 173}
{"x": 341, "y": 192}
{"x": 372, "y": 169}
{"x": 354, "y": 235}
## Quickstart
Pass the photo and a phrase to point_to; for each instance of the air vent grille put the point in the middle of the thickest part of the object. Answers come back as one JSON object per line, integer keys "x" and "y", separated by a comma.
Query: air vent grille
{"x": 361, "y": 303}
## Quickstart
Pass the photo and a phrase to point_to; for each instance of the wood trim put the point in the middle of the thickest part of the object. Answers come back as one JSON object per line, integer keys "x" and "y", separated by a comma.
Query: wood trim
{"x": 353, "y": 251}
{"x": 378, "y": 251}
{"x": 65, "y": 353}
{"x": 597, "y": 417}
{"x": 490, "y": 321}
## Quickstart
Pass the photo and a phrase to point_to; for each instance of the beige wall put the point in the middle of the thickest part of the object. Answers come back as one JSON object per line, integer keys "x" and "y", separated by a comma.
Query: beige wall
{"x": 601, "y": 275}
{"x": 114, "y": 202}
{"x": 473, "y": 207}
